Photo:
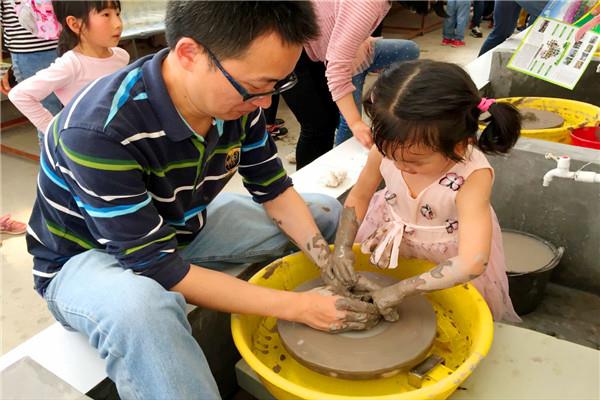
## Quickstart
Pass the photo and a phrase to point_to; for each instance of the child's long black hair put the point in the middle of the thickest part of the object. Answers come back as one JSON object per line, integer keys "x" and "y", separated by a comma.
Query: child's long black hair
{"x": 80, "y": 10}
{"x": 435, "y": 104}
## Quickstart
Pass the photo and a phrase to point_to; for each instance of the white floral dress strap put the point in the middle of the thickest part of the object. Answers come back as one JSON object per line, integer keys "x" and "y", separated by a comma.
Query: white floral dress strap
{"x": 384, "y": 243}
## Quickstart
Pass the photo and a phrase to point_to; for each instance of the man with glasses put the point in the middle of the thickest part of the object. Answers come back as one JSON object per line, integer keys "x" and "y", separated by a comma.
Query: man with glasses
{"x": 127, "y": 225}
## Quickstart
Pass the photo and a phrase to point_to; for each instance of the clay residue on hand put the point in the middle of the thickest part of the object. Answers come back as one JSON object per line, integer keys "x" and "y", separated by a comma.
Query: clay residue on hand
{"x": 343, "y": 256}
{"x": 359, "y": 315}
{"x": 388, "y": 298}
{"x": 363, "y": 288}
{"x": 319, "y": 250}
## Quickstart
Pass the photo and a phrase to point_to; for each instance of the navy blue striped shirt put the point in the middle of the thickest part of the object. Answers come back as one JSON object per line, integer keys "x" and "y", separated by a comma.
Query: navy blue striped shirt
{"x": 123, "y": 172}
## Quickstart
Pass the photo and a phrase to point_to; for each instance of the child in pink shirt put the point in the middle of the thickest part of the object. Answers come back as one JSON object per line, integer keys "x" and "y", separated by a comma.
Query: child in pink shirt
{"x": 436, "y": 200}
{"x": 87, "y": 49}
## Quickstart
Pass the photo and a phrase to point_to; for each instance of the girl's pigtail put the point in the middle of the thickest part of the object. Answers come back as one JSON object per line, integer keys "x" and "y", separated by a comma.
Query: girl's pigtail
{"x": 503, "y": 128}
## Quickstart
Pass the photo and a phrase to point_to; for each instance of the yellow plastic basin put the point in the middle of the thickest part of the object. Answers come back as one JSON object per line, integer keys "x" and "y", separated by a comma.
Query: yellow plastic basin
{"x": 464, "y": 335}
{"x": 576, "y": 114}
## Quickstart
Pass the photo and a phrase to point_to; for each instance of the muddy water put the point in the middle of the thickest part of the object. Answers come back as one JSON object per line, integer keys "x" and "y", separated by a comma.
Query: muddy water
{"x": 524, "y": 253}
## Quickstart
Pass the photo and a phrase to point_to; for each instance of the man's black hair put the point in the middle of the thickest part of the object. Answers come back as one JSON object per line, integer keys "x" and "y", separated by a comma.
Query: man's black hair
{"x": 228, "y": 28}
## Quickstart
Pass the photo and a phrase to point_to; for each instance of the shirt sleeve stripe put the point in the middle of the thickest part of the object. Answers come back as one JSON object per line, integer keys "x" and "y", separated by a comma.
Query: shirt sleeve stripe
{"x": 52, "y": 176}
{"x": 267, "y": 182}
{"x": 109, "y": 212}
{"x": 65, "y": 234}
{"x": 274, "y": 156}
{"x": 142, "y": 135}
{"x": 256, "y": 145}
{"x": 123, "y": 93}
{"x": 105, "y": 164}
{"x": 137, "y": 248}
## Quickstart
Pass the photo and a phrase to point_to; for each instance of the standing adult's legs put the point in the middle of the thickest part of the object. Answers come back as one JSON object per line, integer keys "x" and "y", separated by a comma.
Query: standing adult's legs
{"x": 533, "y": 7}
{"x": 315, "y": 110}
{"x": 462, "y": 19}
{"x": 450, "y": 21}
{"x": 478, "y": 6}
{"x": 488, "y": 8}
{"x": 506, "y": 13}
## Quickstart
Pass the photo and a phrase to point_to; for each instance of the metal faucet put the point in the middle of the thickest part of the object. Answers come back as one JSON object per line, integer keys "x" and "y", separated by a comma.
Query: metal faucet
{"x": 562, "y": 170}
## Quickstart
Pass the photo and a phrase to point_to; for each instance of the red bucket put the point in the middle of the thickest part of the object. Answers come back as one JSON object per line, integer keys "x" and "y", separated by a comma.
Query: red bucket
{"x": 588, "y": 136}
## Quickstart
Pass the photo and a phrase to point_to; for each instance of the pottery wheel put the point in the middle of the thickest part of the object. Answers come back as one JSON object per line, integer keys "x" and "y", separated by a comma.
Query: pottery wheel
{"x": 533, "y": 119}
{"x": 384, "y": 350}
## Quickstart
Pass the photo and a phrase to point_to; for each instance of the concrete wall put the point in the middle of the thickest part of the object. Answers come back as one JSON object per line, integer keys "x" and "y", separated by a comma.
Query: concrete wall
{"x": 567, "y": 213}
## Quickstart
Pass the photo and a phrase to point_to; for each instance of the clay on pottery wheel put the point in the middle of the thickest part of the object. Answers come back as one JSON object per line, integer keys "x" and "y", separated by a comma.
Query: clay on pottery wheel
{"x": 534, "y": 119}
{"x": 382, "y": 351}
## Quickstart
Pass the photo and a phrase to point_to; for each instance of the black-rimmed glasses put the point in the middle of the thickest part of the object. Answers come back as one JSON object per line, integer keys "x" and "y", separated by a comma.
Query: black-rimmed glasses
{"x": 281, "y": 86}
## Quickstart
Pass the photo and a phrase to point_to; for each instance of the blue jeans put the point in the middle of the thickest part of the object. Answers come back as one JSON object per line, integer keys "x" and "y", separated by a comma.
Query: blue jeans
{"x": 458, "y": 17}
{"x": 385, "y": 53}
{"x": 141, "y": 329}
{"x": 506, "y": 14}
{"x": 478, "y": 7}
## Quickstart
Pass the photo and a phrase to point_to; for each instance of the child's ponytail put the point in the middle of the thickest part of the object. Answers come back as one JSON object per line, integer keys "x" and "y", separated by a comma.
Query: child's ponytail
{"x": 66, "y": 41}
{"x": 503, "y": 128}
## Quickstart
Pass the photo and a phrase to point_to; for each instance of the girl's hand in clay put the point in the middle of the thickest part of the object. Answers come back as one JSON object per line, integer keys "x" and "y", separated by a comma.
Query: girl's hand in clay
{"x": 369, "y": 245}
{"x": 339, "y": 270}
{"x": 446, "y": 274}
{"x": 388, "y": 298}
{"x": 335, "y": 313}
{"x": 364, "y": 288}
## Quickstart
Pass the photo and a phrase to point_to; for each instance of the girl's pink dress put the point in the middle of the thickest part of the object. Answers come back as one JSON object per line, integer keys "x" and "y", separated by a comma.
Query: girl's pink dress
{"x": 427, "y": 228}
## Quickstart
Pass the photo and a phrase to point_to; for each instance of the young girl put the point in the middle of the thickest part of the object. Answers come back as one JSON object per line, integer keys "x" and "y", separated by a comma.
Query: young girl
{"x": 436, "y": 203}
{"x": 87, "y": 47}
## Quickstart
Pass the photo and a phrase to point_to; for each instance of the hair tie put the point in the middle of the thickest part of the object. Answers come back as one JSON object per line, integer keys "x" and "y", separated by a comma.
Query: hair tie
{"x": 485, "y": 104}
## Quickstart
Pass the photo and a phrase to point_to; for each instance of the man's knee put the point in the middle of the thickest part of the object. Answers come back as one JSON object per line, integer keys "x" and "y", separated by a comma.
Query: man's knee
{"x": 150, "y": 309}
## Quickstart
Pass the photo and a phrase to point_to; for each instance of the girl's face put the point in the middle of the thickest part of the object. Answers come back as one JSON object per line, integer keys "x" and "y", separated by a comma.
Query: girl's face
{"x": 103, "y": 28}
{"x": 421, "y": 160}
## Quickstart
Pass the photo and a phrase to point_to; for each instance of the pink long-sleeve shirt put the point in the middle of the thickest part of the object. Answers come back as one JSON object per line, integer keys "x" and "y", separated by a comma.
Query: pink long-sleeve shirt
{"x": 64, "y": 77}
{"x": 344, "y": 44}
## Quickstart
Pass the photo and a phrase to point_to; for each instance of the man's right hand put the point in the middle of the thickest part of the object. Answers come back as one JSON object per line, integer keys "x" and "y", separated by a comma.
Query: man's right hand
{"x": 335, "y": 313}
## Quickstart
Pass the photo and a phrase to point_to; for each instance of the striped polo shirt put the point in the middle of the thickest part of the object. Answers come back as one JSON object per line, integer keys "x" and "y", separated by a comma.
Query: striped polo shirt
{"x": 16, "y": 38}
{"x": 121, "y": 171}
